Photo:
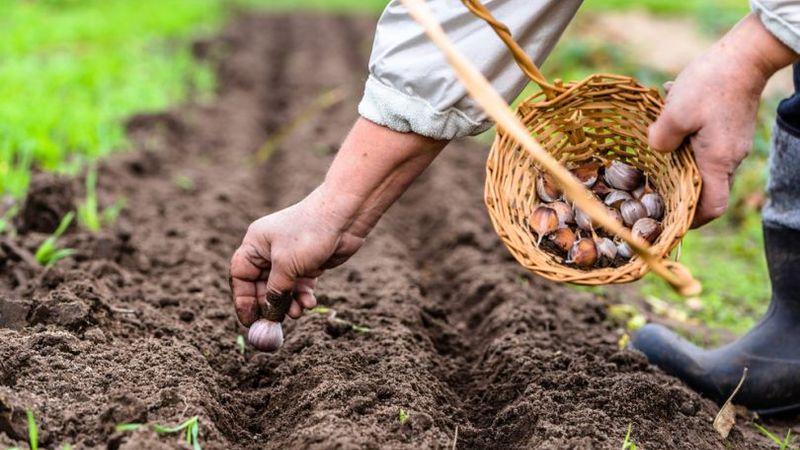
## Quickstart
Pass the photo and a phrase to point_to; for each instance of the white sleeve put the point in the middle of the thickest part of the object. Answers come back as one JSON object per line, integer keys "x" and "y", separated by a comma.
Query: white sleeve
{"x": 411, "y": 87}
{"x": 781, "y": 18}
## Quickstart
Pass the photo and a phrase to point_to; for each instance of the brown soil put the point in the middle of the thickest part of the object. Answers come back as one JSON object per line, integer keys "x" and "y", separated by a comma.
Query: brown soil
{"x": 137, "y": 327}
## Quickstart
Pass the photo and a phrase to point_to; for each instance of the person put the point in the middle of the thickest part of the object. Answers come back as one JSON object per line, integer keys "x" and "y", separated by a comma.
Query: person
{"x": 413, "y": 106}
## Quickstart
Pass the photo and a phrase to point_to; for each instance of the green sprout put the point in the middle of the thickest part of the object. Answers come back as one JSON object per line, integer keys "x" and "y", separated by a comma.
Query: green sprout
{"x": 628, "y": 443}
{"x": 184, "y": 183}
{"x": 402, "y": 416}
{"x": 89, "y": 214}
{"x": 240, "y": 343}
{"x": 190, "y": 428}
{"x": 319, "y": 310}
{"x": 785, "y": 444}
{"x": 48, "y": 252}
{"x": 33, "y": 431}
{"x": 5, "y": 219}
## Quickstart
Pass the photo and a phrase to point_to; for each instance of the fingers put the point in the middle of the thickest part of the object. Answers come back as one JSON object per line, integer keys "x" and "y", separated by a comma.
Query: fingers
{"x": 669, "y": 130}
{"x": 247, "y": 268}
{"x": 713, "y": 197}
{"x": 303, "y": 297}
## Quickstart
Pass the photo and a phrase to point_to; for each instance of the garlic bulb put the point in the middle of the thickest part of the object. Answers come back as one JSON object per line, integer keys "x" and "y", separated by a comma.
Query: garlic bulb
{"x": 265, "y": 335}
{"x": 623, "y": 176}
{"x": 616, "y": 197}
{"x": 624, "y": 250}
{"x": 583, "y": 253}
{"x": 632, "y": 210}
{"x": 587, "y": 173}
{"x": 606, "y": 248}
{"x": 563, "y": 238}
{"x": 543, "y": 221}
{"x": 583, "y": 220}
{"x": 600, "y": 189}
{"x": 647, "y": 229}
{"x": 640, "y": 191}
{"x": 564, "y": 213}
{"x": 546, "y": 188}
{"x": 654, "y": 205}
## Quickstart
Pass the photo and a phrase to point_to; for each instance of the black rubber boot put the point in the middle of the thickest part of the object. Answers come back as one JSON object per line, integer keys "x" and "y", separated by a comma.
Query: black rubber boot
{"x": 770, "y": 351}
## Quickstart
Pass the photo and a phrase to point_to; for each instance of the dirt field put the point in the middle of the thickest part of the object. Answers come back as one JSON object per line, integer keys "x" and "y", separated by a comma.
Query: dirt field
{"x": 138, "y": 326}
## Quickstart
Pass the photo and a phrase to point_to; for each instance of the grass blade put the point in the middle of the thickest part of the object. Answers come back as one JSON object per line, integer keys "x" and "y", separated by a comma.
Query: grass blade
{"x": 33, "y": 431}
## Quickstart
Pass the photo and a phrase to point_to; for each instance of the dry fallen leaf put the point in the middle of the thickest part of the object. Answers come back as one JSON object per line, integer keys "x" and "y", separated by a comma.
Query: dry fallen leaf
{"x": 726, "y": 417}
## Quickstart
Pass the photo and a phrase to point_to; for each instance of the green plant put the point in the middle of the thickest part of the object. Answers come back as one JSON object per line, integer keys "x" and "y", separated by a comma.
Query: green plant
{"x": 33, "y": 431}
{"x": 5, "y": 219}
{"x": 89, "y": 215}
{"x": 240, "y": 343}
{"x": 402, "y": 416}
{"x": 190, "y": 428}
{"x": 627, "y": 443}
{"x": 48, "y": 252}
{"x": 785, "y": 444}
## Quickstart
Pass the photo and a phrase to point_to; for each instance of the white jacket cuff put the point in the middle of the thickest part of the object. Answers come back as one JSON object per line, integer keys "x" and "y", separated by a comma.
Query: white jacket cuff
{"x": 781, "y": 18}
{"x": 406, "y": 113}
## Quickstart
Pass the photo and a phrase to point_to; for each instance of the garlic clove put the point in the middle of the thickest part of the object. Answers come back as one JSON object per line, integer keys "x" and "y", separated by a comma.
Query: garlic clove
{"x": 647, "y": 229}
{"x": 587, "y": 173}
{"x": 601, "y": 189}
{"x": 606, "y": 249}
{"x": 564, "y": 213}
{"x": 583, "y": 253}
{"x": 543, "y": 221}
{"x": 616, "y": 197}
{"x": 640, "y": 191}
{"x": 265, "y": 335}
{"x": 546, "y": 188}
{"x": 563, "y": 238}
{"x": 583, "y": 220}
{"x": 654, "y": 205}
{"x": 623, "y": 176}
{"x": 632, "y": 210}
{"x": 616, "y": 215}
{"x": 624, "y": 250}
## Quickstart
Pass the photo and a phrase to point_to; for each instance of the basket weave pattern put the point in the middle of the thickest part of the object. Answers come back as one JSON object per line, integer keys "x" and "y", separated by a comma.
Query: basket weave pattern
{"x": 604, "y": 117}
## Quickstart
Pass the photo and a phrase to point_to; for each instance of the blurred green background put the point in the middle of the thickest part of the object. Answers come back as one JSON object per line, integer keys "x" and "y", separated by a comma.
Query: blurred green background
{"x": 71, "y": 71}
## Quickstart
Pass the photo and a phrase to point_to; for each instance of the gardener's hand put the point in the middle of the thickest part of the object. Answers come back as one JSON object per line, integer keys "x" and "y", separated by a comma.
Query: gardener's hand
{"x": 284, "y": 253}
{"x": 714, "y": 102}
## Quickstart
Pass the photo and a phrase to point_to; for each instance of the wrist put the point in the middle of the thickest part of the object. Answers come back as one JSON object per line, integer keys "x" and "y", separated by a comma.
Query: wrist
{"x": 758, "y": 52}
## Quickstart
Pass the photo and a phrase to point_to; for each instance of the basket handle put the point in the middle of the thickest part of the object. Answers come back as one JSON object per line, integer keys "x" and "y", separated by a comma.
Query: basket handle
{"x": 520, "y": 56}
{"x": 495, "y": 107}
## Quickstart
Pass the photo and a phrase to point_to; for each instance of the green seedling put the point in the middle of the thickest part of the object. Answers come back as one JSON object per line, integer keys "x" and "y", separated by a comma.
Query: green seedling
{"x": 628, "y": 443}
{"x": 184, "y": 183}
{"x": 240, "y": 343}
{"x": 5, "y": 219}
{"x": 785, "y": 444}
{"x": 353, "y": 326}
{"x": 402, "y": 416}
{"x": 89, "y": 215}
{"x": 48, "y": 252}
{"x": 190, "y": 429}
{"x": 33, "y": 431}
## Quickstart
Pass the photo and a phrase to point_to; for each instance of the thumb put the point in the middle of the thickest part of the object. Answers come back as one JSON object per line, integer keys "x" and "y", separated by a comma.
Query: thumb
{"x": 669, "y": 130}
{"x": 280, "y": 285}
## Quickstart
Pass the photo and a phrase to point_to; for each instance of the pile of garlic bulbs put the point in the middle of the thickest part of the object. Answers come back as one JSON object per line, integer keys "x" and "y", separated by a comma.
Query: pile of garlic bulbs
{"x": 568, "y": 233}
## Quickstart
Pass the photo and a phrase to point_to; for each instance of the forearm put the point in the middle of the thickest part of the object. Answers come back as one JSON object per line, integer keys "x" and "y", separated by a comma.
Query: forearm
{"x": 374, "y": 166}
{"x": 759, "y": 53}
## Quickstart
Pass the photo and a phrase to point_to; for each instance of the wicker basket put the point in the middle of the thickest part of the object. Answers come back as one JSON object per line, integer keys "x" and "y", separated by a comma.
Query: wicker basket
{"x": 603, "y": 117}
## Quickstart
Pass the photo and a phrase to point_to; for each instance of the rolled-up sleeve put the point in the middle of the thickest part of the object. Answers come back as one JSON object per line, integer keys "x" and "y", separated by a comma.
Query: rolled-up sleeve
{"x": 781, "y": 18}
{"x": 411, "y": 87}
